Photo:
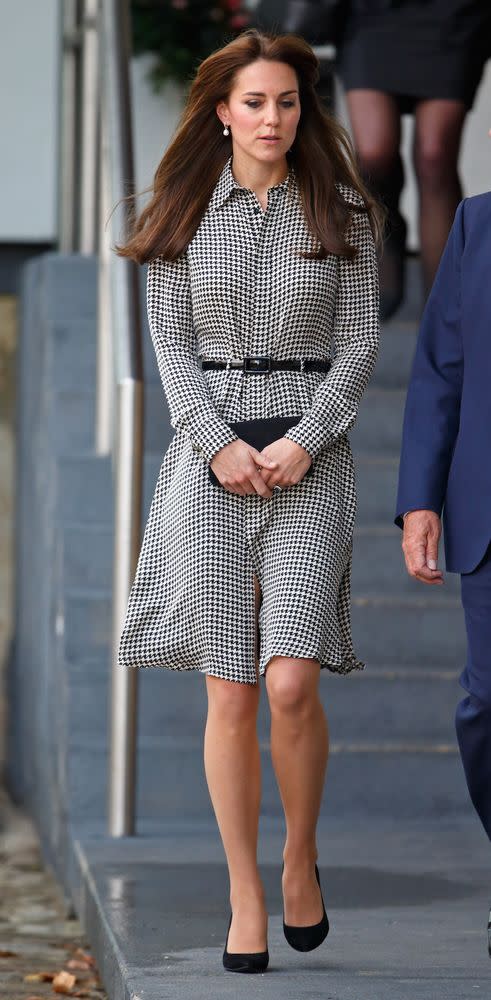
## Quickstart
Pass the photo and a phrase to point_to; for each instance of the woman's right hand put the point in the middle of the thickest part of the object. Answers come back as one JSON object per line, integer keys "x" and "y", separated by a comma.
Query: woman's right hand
{"x": 236, "y": 467}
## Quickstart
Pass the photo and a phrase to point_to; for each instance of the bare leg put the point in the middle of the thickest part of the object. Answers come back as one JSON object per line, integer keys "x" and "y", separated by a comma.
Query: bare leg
{"x": 437, "y": 139}
{"x": 376, "y": 124}
{"x": 299, "y": 751}
{"x": 233, "y": 774}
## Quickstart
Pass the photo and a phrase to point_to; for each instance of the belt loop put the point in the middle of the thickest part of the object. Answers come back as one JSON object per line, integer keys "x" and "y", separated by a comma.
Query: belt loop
{"x": 302, "y": 364}
{"x": 228, "y": 365}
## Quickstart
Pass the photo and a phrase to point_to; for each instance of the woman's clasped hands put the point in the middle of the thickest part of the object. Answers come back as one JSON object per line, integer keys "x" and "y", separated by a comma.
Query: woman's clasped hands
{"x": 243, "y": 469}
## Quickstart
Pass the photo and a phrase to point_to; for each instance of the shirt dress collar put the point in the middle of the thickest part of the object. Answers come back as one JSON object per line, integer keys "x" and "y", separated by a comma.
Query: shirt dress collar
{"x": 227, "y": 183}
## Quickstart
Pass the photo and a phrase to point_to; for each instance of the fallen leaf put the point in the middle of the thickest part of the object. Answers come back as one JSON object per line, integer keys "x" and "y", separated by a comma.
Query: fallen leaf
{"x": 77, "y": 963}
{"x": 39, "y": 977}
{"x": 84, "y": 956}
{"x": 5, "y": 953}
{"x": 63, "y": 982}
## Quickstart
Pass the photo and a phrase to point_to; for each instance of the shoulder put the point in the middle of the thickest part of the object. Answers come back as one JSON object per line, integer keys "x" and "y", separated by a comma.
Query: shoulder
{"x": 350, "y": 195}
{"x": 475, "y": 212}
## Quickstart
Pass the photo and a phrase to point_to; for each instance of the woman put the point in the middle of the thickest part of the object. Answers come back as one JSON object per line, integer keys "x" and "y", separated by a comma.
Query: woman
{"x": 262, "y": 256}
{"x": 424, "y": 58}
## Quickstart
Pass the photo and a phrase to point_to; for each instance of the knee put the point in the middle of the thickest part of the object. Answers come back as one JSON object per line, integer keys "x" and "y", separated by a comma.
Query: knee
{"x": 375, "y": 161}
{"x": 234, "y": 703}
{"x": 290, "y": 692}
{"x": 431, "y": 162}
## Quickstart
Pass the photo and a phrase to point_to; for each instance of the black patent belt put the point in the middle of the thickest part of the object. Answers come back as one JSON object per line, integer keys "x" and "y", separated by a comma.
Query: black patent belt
{"x": 263, "y": 365}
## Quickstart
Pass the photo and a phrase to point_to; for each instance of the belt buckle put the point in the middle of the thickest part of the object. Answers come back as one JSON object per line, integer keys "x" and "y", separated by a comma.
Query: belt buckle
{"x": 256, "y": 364}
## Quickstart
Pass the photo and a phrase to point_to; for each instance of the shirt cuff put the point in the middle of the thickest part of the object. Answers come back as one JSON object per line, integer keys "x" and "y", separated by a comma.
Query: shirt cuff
{"x": 212, "y": 436}
{"x": 308, "y": 433}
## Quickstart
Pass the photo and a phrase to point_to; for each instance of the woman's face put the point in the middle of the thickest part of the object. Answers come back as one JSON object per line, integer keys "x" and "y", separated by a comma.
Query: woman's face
{"x": 264, "y": 101}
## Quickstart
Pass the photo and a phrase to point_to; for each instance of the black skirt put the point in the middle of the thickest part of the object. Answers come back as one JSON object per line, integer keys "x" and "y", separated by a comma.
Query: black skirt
{"x": 416, "y": 49}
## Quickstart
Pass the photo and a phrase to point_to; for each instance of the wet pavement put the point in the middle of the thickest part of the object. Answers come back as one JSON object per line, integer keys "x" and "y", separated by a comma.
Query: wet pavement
{"x": 407, "y": 902}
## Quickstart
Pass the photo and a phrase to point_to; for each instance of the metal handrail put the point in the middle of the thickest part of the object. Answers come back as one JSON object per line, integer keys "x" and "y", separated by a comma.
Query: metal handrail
{"x": 89, "y": 126}
{"x": 70, "y": 42}
{"x": 119, "y": 306}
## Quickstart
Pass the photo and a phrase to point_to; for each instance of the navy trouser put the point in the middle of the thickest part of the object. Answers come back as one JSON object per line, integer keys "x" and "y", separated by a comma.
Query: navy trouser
{"x": 473, "y": 716}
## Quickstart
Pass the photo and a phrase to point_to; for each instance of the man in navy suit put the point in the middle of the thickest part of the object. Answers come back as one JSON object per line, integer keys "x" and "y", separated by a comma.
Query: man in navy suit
{"x": 445, "y": 468}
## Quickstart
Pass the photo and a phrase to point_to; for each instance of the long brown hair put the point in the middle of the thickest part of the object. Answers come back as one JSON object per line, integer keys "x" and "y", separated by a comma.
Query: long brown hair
{"x": 322, "y": 155}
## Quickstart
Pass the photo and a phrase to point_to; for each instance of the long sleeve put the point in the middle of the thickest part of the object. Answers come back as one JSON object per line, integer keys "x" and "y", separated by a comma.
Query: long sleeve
{"x": 172, "y": 330}
{"x": 432, "y": 411}
{"x": 355, "y": 338}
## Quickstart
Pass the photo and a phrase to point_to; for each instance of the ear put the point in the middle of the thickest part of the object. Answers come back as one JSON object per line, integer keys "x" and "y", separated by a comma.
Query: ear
{"x": 221, "y": 110}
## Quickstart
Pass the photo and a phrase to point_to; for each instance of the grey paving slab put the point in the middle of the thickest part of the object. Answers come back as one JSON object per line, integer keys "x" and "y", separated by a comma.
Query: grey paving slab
{"x": 408, "y": 906}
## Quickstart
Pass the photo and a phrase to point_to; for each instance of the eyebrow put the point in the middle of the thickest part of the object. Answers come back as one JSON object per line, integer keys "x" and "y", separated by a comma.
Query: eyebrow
{"x": 260, "y": 93}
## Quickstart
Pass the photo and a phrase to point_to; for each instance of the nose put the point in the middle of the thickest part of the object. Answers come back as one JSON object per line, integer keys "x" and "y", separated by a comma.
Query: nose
{"x": 271, "y": 116}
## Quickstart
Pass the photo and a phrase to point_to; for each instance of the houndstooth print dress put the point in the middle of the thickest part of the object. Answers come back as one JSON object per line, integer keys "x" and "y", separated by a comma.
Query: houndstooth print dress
{"x": 240, "y": 290}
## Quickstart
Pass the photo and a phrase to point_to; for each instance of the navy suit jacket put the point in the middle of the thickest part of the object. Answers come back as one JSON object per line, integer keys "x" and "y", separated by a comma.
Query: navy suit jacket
{"x": 445, "y": 461}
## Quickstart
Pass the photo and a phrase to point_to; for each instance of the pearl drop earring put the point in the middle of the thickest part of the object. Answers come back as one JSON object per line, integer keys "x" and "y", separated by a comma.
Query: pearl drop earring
{"x": 226, "y": 130}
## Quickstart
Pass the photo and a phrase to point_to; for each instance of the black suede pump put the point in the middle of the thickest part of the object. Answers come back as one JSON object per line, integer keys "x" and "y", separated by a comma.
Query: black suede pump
{"x": 237, "y": 961}
{"x": 310, "y": 937}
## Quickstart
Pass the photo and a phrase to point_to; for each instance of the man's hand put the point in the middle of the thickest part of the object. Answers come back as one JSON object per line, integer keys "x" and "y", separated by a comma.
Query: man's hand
{"x": 422, "y": 530}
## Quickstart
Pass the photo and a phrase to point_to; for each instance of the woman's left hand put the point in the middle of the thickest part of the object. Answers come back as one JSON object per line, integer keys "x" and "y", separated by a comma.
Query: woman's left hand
{"x": 293, "y": 462}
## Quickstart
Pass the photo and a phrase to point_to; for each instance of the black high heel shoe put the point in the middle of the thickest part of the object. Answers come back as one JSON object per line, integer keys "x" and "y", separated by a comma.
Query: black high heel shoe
{"x": 310, "y": 937}
{"x": 237, "y": 961}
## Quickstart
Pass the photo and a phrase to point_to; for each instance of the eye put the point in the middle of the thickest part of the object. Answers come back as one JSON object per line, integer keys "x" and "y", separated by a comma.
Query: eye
{"x": 285, "y": 104}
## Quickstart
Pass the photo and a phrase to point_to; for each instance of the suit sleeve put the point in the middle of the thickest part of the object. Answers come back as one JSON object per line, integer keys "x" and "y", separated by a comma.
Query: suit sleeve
{"x": 432, "y": 410}
{"x": 355, "y": 341}
{"x": 170, "y": 320}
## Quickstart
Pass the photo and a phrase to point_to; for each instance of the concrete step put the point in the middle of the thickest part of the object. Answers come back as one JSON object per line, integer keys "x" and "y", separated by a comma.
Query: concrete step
{"x": 386, "y": 630}
{"x": 412, "y": 305}
{"x": 424, "y": 630}
{"x": 376, "y": 477}
{"x": 402, "y": 782}
{"x": 376, "y": 481}
{"x": 361, "y": 709}
{"x": 74, "y": 353}
{"x": 396, "y": 353}
{"x": 73, "y": 427}
{"x": 87, "y": 623}
{"x": 401, "y": 903}
{"x": 88, "y": 555}
{"x": 378, "y": 564}
{"x": 69, "y": 288}
{"x": 158, "y": 431}
{"x": 86, "y": 496}
{"x": 378, "y": 427}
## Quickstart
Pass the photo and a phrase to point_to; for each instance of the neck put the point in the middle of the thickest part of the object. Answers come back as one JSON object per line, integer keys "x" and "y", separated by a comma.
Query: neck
{"x": 257, "y": 176}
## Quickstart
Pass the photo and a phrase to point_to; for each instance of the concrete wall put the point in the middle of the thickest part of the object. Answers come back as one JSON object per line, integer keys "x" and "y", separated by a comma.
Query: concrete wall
{"x": 29, "y": 65}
